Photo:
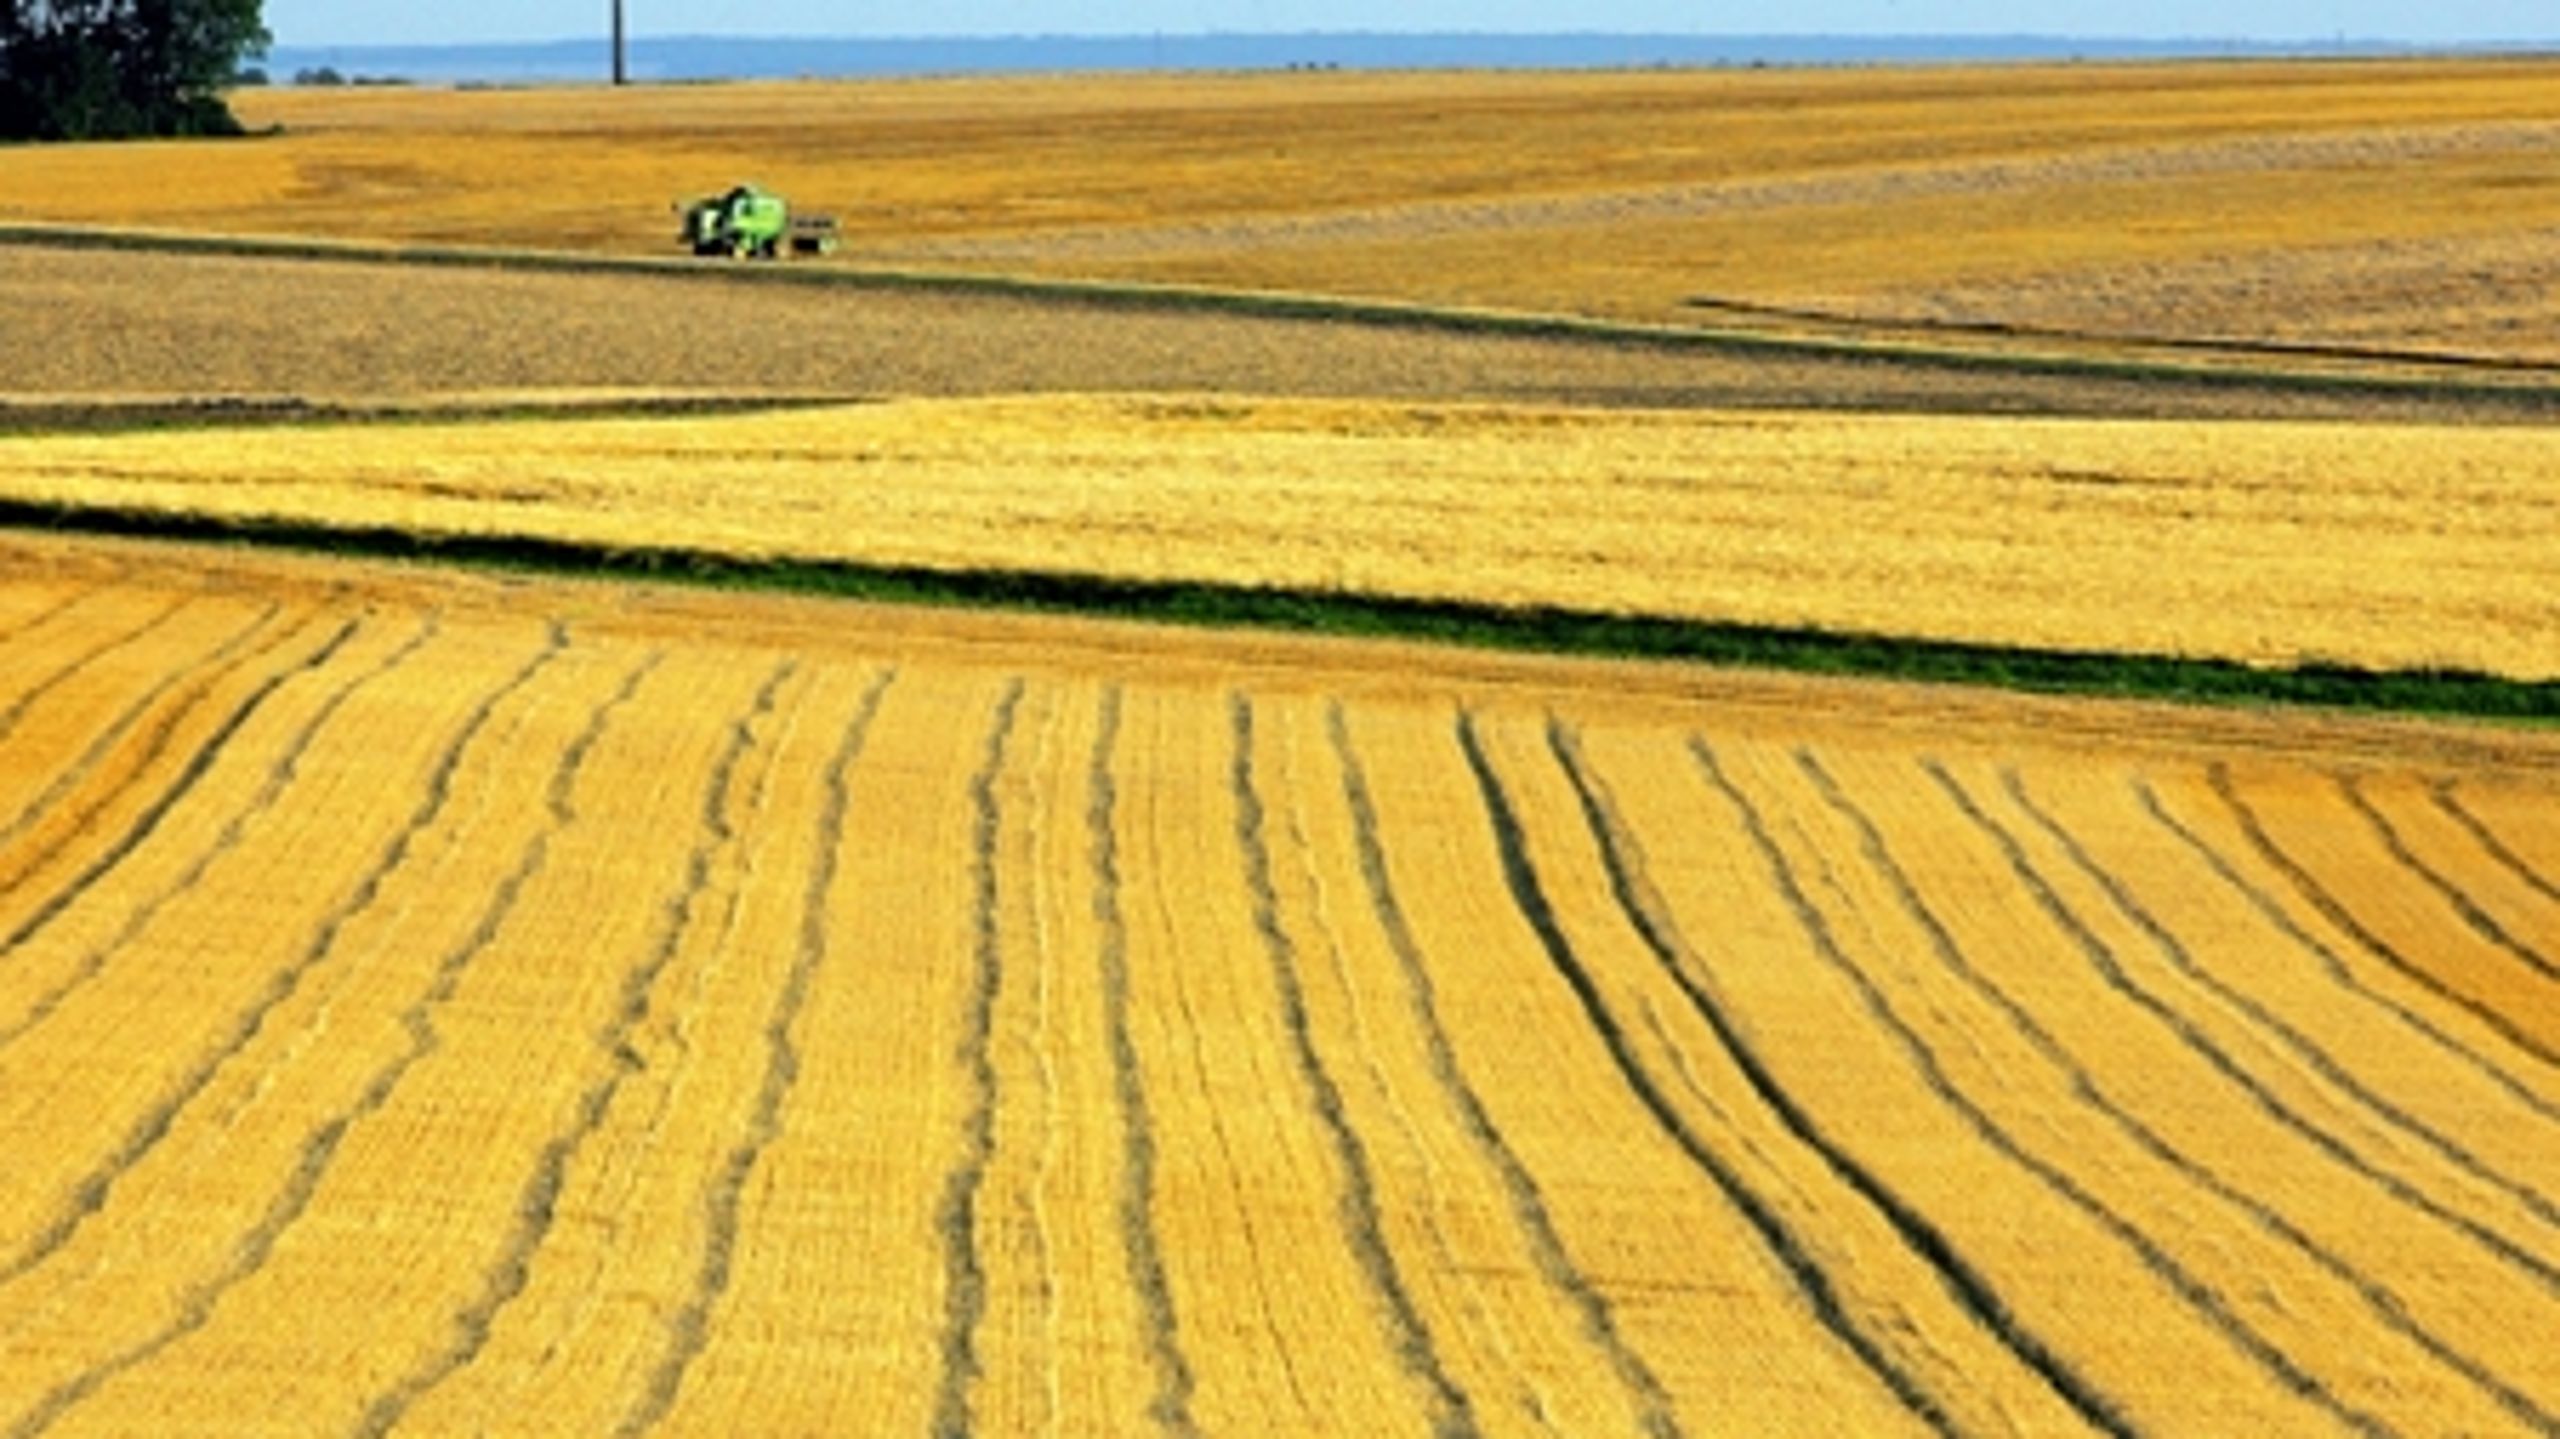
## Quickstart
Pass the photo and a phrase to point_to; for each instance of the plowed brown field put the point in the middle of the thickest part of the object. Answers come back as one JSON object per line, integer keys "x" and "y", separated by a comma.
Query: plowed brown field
{"x": 442, "y": 1005}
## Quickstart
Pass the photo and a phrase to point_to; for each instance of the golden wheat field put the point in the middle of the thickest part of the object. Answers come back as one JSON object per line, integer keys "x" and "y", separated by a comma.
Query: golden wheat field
{"x": 2392, "y": 547}
{"x": 2404, "y": 205}
{"x": 450, "y": 1002}
{"x": 443, "y": 1005}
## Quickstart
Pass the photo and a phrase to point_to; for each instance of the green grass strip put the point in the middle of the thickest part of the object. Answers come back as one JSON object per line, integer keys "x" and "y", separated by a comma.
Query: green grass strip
{"x": 1539, "y": 630}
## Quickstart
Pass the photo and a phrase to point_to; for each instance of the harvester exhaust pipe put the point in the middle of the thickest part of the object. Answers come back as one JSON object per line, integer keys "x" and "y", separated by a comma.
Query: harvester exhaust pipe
{"x": 621, "y": 54}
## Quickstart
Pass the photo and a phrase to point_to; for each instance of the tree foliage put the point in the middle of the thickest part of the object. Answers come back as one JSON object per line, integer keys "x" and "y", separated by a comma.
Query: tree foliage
{"x": 100, "y": 69}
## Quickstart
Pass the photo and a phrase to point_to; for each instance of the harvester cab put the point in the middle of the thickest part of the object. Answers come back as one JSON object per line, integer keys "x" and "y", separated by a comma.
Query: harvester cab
{"x": 751, "y": 223}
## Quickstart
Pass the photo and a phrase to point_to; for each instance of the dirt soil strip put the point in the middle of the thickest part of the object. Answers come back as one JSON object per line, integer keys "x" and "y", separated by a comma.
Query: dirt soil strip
{"x": 317, "y": 323}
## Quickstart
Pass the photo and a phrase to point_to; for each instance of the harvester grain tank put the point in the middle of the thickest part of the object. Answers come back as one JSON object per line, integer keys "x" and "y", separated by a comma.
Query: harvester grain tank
{"x": 748, "y": 223}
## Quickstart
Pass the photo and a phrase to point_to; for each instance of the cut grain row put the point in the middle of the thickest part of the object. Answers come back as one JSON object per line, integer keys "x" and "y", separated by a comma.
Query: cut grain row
{"x": 658, "y": 1019}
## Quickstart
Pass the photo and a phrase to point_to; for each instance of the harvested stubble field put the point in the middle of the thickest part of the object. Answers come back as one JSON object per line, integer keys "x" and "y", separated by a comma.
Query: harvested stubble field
{"x": 577, "y": 1009}
{"x": 2402, "y": 205}
{"x": 448, "y": 1004}
{"x": 2380, "y": 546}
{"x": 147, "y": 333}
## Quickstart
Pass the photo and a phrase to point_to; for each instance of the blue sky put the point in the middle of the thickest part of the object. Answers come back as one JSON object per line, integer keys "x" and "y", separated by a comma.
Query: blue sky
{"x": 398, "y": 22}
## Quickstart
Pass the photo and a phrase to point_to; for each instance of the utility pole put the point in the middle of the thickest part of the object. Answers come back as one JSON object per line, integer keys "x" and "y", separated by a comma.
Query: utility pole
{"x": 621, "y": 65}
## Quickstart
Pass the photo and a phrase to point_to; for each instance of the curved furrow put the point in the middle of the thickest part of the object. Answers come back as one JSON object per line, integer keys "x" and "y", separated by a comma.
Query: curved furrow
{"x": 1135, "y": 1202}
{"x": 2334, "y": 964}
{"x": 2289, "y": 1037}
{"x": 198, "y": 1304}
{"x": 320, "y": 1147}
{"x": 2448, "y": 800}
{"x": 536, "y": 1206}
{"x": 689, "y": 1331}
{"x": 46, "y": 614}
{"x": 280, "y": 777}
{"x": 1784, "y": 1244}
{"x": 1167, "y": 850}
{"x": 16, "y": 713}
{"x": 2195, "y": 1041}
{"x": 2335, "y": 911}
{"x": 1408, "y": 1333}
{"x": 965, "y": 1289}
{"x": 1652, "y": 1403}
{"x": 90, "y": 1194}
{"x": 2479, "y": 921}
{"x": 2386, "y": 1307}
{"x": 1397, "y": 1124}
{"x": 201, "y": 679}
{"x": 2155, "y": 1257}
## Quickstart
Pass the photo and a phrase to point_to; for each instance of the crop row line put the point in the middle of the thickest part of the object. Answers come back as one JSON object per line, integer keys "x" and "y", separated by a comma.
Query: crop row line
{"x": 2286, "y": 1116}
{"x": 70, "y": 668}
{"x": 1141, "y": 1246}
{"x": 2384, "y": 1304}
{"x": 199, "y": 677}
{"x": 252, "y": 1250}
{"x": 2331, "y": 962}
{"x": 1452, "y": 1411}
{"x": 1528, "y": 1206}
{"x": 2478, "y": 920}
{"x": 2335, "y": 911}
{"x": 2287, "y": 1035}
{"x": 280, "y": 778}
{"x": 1789, "y": 1247}
{"x": 689, "y": 1331}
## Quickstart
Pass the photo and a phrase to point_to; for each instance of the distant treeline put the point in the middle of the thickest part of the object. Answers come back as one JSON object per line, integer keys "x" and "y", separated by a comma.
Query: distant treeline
{"x": 708, "y": 58}
{"x": 104, "y": 69}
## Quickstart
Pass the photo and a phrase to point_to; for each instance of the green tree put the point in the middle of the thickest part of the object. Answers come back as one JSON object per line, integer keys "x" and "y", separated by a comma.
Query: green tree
{"x": 99, "y": 69}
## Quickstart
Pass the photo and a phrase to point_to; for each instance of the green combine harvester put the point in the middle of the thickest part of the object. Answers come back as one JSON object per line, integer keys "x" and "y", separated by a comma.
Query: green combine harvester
{"x": 748, "y": 223}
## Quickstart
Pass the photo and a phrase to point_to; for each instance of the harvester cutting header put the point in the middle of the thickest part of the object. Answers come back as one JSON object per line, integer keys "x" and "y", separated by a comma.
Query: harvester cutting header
{"x": 748, "y": 223}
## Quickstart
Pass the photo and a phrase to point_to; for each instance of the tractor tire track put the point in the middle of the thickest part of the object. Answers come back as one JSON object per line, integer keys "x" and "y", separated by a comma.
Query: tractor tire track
{"x": 965, "y": 1292}
{"x": 90, "y": 1195}
{"x": 538, "y": 1198}
{"x": 1401, "y": 1127}
{"x": 689, "y": 1332}
{"x": 2111, "y": 970}
{"x": 2335, "y": 964}
{"x": 197, "y": 1307}
{"x": 2153, "y": 1256}
{"x": 1789, "y": 1249}
{"x": 1171, "y": 1408}
{"x": 1964, "y": 1284}
{"x": 2448, "y": 799}
{"x": 1652, "y": 1403}
{"x": 1409, "y": 1334}
{"x": 202, "y": 678}
{"x": 2479, "y": 920}
{"x": 2331, "y": 908}
{"x": 16, "y": 713}
{"x": 2301, "y": 1046}
{"x": 280, "y": 778}
{"x": 2386, "y": 1306}
{"x": 1184, "y": 1027}
{"x": 320, "y": 1147}
{"x": 199, "y": 676}
{"x": 50, "y": 612}
{"x": 318, "y": 1150}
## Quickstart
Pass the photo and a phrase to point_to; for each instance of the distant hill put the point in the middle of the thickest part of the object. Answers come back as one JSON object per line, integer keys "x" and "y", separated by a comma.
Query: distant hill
{"x": 708, "y": 58}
